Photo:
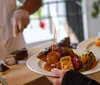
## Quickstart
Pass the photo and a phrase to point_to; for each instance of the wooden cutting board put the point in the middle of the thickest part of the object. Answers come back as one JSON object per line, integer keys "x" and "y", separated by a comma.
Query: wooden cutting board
{"x": 19, "y": 75}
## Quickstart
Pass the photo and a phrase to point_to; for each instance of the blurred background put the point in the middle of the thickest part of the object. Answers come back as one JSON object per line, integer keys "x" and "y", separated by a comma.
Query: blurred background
{"x": 71, "y": 18}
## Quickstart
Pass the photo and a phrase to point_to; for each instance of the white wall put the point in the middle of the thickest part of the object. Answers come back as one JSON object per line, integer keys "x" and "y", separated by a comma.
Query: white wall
{"x": 91, "y": 25}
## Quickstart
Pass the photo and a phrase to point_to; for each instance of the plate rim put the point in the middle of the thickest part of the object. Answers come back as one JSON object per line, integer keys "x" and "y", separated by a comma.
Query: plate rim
{"x": 50, "y": 74}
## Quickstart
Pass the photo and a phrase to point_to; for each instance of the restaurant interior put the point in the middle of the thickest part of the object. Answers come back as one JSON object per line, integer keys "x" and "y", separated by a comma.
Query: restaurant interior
{"x": 56, "y": 20}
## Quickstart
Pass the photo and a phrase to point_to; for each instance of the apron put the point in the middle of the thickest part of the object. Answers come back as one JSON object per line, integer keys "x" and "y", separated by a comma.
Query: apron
{"x": 7, "y": 42}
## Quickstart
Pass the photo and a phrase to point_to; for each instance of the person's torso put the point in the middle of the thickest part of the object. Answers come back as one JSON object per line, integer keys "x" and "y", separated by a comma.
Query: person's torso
{"x": 7, "y": 7}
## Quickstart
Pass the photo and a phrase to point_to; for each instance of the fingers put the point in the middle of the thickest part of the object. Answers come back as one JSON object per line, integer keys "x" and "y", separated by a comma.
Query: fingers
{"x": 59, "y": 73}
{"x": 15, "y": 28}
{"x": 19, "y": 26}
{"x": 22, "y": 24}
{"x": 20, "y": 20}
{"x": 57, "y": 80}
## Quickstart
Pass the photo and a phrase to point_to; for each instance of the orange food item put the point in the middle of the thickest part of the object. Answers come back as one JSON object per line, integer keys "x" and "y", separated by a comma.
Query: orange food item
{"x": 66, "y": 63}
{"x": 94, "y": 64}
{"x": 53, "y": 57}
{"x": 84, "y": 59}
{"x": 64, "y": 58}
{"x": 42, "y": 56}
{"x": 97, "y": 42}
{"x": 88, "y": 60}
{"x": 58, "y": 65}
{"x": 48, "y": 66}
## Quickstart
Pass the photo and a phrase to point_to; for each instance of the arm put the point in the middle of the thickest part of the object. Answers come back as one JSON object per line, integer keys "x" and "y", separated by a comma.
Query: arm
{"x": 75, "y": 78}
{"x": 71, "y": 77}
{"x": 20, "y": 18}
{"x": 31, "y": 5}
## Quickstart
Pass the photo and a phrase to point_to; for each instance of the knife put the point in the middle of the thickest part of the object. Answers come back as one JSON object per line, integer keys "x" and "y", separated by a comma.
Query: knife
{"x": 18, "y": 62}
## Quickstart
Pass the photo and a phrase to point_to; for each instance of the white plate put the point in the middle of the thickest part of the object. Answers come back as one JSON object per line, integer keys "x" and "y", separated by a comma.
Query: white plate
{"x": 36, "y": 65}
{"x": 82, "y": 46}
{"x": 88, "y": 45}
{"x": 94, "y": 49}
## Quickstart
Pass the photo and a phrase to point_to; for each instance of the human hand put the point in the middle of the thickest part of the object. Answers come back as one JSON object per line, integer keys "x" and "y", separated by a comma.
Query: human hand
{"x": 57, "y": 80}
{"x": 20, "y": 20}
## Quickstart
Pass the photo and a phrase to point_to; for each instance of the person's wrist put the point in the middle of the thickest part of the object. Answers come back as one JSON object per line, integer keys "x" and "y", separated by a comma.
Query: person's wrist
{"x": 65, "y": 77}
{"x": 21, "y": 10}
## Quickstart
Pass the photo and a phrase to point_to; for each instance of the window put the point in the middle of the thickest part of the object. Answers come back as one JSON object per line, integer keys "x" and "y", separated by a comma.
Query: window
{"x": 40, "y": 27}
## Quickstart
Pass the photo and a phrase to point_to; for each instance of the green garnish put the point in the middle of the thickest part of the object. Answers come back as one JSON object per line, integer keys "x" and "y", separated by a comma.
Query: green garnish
{"x": 64, "y": 59}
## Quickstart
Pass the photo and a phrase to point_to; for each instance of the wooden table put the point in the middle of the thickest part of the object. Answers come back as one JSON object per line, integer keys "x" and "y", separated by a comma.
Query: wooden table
{"x": 20, "y": 74}
{"x": 95, "y": 76}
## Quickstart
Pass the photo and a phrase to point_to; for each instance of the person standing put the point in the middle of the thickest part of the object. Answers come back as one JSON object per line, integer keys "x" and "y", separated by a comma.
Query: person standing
{"x": 12, "y": 22}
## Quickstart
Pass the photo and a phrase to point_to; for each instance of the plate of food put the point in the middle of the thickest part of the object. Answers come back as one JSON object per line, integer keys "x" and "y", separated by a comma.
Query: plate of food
{"x": 91, "y": 44}
{"x": 82, "y": 45}
{"x": 63, "y": 57}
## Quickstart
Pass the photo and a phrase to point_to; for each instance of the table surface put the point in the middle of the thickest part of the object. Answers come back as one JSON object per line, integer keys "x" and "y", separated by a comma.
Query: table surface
{"x": 19, "y": 74}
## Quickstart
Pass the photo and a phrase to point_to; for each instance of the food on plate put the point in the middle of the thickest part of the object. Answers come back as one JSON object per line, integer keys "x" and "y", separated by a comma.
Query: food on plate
{"x": 13, "y": 57}
{"x": 52, "y": 60}
{"x": 64, "y": 58}
{"x": 76, "y": 63}
{"x": 88, "y": 61}
{"x": 3, "y": 68}
{"x": 65, "y": 42}
{"x": 48, "y": 66}
{"x": 53, "y": 57}
{"x": 42, "y": 55}
{"x": 66, "y": 63}
{"x": 97, "y": 42}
